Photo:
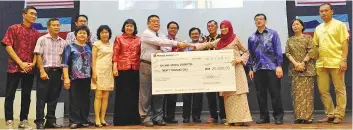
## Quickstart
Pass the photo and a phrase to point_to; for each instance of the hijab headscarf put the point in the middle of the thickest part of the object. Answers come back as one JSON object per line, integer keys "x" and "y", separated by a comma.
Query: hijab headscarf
{"x": 227, "y": 38}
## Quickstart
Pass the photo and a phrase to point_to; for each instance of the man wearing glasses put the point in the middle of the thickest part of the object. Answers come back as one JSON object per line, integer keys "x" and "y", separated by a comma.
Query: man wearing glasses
{"x": 20, "y": 40}
{"x": 151, "y": 41}
{"x": 265, "y": 65}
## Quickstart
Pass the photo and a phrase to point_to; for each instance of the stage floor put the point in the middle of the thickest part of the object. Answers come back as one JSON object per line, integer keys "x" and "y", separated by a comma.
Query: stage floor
{"x": 288, "y": 124}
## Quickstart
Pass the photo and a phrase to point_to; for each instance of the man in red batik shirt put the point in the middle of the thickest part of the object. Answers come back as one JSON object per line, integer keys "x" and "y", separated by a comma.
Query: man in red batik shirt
{"x": 20, "y": 40}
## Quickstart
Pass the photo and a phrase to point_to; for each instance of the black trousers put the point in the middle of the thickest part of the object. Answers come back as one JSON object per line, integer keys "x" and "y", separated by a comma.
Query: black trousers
{"x": 48, "y": 91}
{"x": 13, "y": 79}
{"x": 126, "y": 109}
{"x": 169, "y": 105}
{"x": 79, "y": 100}
{"x": 192, "y": 101}
{"x": 212, "y": 105}
{"x": 266, "y": 80}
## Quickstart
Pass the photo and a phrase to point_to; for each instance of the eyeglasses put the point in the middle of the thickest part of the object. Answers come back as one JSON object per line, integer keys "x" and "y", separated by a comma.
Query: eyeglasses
{"x": 259, "y": 19}
{"x": 32, "y": 13}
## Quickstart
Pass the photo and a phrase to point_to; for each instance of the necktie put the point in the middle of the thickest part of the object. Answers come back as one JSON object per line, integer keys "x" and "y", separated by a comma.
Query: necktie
{"x": 158, "y": 48}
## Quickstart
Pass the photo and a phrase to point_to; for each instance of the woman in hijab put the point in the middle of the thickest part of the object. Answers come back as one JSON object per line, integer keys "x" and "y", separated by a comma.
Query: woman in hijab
{"x": 236, "y": 102}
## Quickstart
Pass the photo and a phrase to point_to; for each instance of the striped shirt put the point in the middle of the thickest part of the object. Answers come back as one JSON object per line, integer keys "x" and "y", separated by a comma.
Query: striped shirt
{"x": 50, "y": 50}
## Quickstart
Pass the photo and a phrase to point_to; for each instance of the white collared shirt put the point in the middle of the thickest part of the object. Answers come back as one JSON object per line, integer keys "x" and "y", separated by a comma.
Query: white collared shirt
{"x": 150, "y": 42}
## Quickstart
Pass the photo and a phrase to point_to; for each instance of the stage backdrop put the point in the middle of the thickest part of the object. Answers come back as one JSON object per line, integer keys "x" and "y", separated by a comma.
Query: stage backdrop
{"x": 188, "y": 14}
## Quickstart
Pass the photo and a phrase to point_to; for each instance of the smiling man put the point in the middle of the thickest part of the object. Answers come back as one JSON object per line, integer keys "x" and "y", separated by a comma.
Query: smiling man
{"x": 192, "y": 102}
{"x": 20, "y": 40}
{"x": 212, "y": 28}
{"x": 151, "y": 40}
{"x": 265, "y": 65}
{"x": 331, "y": 37}
{"x": 170, "y": 99}
{"x": 80, "y": 21}
{"x": 48, "y": 51}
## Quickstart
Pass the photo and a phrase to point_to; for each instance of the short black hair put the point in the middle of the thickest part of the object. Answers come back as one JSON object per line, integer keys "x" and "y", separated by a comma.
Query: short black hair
{"x": 173, "y": 22}
{"x": 260, "y": 14}
{"x": 81, "y": 15}
{"x": 194, "y": 28}
{"x": 82, "y": 28}
{"x": 300, "y": 21}
{"x": 52, "y": 19}
{"x": 25, "y": 10}
{"x": 101, "y": 28}
{"x": 331, "y": 7}
{"x": 129, "y": 21}
{"x": 215, "y": 22}
{"x": 151, "y": 16}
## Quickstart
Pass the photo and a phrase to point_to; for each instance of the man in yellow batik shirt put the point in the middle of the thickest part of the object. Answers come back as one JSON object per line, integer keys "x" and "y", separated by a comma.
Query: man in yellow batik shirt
{"x": 331, "y": 37}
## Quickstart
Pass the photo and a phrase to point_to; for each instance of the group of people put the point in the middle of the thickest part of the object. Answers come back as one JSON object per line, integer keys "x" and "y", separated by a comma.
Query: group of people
{"x": 86, "y": 61}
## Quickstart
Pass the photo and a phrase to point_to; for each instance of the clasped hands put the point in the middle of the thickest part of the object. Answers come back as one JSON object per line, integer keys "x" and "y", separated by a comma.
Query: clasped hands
{"x": 184, "y": 45}
{"x": 300, "y": 67}
{"x": 26, "y": 67}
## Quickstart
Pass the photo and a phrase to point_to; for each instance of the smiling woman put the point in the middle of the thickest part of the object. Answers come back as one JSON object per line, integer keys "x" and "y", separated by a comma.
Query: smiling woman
{"x": 20, "y": 41}
{"x": 102, "y": 73}
{"x": 236, "y": 102}
{"x": 126, "y": 67}
{"x": 76, "y": 63}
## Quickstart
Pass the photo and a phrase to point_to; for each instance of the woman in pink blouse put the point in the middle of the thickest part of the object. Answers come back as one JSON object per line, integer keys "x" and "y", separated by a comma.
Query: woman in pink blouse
{"x": 126, "y": 59}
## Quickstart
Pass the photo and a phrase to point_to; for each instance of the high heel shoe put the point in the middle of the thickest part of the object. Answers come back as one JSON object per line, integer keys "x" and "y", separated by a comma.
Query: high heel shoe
{"x": 98, "y": 125}
{"x": 307, "y": 121}
{"x": 105, "y": 124}
{"x": 298, "y": 121}
{"x": 244, "y": 124}
{"x": 229, "y": 124}
{"x": 73, "y": 126}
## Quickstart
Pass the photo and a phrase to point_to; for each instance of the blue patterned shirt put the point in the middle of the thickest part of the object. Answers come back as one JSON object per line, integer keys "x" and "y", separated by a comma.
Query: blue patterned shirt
{"x": 78, "y": 59}
{"x": 265, "y": 50}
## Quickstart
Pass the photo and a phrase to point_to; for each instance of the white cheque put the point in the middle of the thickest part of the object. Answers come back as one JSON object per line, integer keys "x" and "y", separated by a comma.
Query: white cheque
{"x": 193, "y": 72}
